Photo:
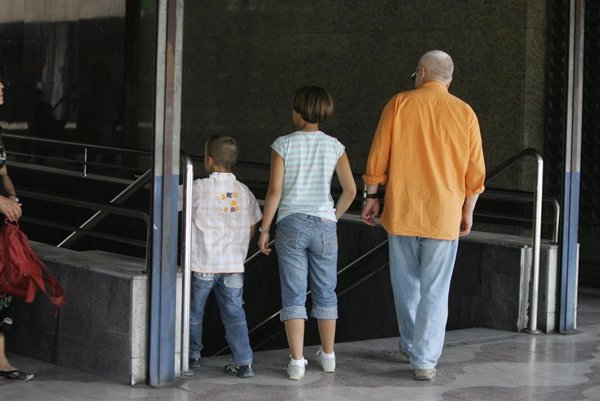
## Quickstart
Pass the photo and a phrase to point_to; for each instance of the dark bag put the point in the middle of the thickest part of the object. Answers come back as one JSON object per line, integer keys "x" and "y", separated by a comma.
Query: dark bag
{"x": 21, "y": 271}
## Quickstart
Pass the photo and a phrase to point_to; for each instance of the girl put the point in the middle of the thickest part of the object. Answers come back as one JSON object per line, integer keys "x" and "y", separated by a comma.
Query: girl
{"x": 302, "y": 166}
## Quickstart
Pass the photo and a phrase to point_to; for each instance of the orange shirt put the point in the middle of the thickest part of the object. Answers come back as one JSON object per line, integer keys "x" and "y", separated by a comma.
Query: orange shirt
{"x": 427, "y": 150}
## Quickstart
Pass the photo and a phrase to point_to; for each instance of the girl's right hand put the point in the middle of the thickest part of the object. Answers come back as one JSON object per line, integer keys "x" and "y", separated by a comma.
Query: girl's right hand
{"x": 263, "y": 243}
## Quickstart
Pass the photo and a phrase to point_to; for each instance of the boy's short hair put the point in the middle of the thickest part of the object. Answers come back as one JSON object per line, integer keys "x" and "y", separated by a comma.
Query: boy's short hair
{"x": 223, "y": 149}
{"x": 313, "y": 103}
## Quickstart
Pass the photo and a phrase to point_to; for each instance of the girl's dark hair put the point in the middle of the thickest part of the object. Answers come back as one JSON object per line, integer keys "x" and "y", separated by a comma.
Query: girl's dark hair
{"x": 313, "y": 103}
{"x": 223, "y": 149}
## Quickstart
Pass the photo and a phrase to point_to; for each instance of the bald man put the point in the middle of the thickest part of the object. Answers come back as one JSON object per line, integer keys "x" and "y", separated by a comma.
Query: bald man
{"x": 427, "y": 152}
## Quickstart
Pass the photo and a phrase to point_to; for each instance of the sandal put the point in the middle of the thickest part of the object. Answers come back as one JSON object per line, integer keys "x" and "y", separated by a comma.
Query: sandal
{"x": 16, "y": 375}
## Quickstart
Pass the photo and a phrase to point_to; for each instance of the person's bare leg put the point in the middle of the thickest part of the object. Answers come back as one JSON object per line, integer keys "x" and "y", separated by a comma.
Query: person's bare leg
{"x": 5, "y": 365}
{"x": 294, "y": 329}
{"x": 327, "y": 333}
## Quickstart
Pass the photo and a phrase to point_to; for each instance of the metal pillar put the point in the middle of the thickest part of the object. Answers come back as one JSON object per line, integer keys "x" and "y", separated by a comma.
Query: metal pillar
{"x": 165, "y": 191}
{"x": 569, "y": 247}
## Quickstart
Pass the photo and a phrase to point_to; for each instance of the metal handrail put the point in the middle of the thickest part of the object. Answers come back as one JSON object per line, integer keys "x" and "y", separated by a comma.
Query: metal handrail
{"x": 76, "y": 144}
{"x": 107, "y": 236}
{"x": 102, "y": 210}
{"x": 90, "y": 205}
{"x": 87, "y": 204}
{"x": 84, "y": 146}
{"x": 499, "y": 169}
{"x": 537, "y": 225}
{"x": 101, "y": 214}
{"x": 519, "y": 195}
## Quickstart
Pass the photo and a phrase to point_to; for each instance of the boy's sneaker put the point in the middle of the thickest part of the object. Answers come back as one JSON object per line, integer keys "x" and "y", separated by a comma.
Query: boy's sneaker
{"x": 16, "y": 375}
{"x": 296, "y": 368}
{"x": 194, "y": 363}
{"x": 243, "y": 371}
{"x": 325, "y": 361}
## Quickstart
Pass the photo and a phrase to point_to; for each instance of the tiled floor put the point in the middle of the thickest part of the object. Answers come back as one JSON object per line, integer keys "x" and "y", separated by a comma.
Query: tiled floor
{"x": 477, "y": 365}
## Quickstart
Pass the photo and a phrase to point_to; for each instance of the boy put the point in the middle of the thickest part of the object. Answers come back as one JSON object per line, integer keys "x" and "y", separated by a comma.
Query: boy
{"x": 224, "y": 216}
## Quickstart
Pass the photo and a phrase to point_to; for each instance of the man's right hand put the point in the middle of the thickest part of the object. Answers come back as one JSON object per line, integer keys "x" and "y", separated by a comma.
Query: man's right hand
{"x": 370, "y": 210}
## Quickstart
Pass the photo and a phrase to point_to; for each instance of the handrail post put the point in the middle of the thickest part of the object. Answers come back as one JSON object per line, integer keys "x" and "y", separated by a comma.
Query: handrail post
{"x": 537, "y": 233}
{"x": 188, "y": 178}
{"x": 85, "y": 157}
{"x": 555, "y": 233}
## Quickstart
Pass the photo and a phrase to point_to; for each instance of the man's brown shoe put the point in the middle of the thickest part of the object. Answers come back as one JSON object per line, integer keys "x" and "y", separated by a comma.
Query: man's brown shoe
{"x": 403, "y": 356}
{"x": 424, "y": 374}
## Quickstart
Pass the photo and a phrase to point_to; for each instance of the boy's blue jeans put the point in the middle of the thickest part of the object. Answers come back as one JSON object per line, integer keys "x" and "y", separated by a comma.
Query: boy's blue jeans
{"x": 307, "y": 250}
{"x": 229, "y": 289}
{"x": 421, "y": 270}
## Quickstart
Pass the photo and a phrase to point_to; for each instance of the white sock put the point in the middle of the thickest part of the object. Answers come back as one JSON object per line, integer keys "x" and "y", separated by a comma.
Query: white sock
{"x": 325, "y": 355}
{"x": 298, "y": 362}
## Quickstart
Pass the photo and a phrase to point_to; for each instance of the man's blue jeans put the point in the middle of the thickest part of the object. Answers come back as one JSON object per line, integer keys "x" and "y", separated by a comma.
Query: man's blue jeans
{"x": 307, "y": 250}
{"x": 229, "y": 289}
{"x": 421, "y": 270}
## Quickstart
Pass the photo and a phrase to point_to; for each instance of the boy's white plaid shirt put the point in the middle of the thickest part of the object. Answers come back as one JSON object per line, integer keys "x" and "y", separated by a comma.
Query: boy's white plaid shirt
{"x": 223, "y": 212}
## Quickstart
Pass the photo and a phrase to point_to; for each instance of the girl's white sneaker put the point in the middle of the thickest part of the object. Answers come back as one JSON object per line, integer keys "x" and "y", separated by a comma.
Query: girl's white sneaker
{"x": 296, "y": 368}
{"x": 327, "y": 362}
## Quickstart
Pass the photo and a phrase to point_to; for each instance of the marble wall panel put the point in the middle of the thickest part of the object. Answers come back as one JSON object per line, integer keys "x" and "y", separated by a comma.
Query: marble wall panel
{"x": 243, "y": 60}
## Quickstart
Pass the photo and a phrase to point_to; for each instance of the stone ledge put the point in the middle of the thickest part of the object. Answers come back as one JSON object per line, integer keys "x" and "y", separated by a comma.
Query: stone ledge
{"x": 98, "y": 261}
{"x": 509, "y": 240}
{"x": 102, "y": 328}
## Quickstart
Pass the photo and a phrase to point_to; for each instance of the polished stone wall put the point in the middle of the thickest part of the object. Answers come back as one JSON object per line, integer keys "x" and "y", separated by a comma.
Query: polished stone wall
{"x": 86, "y": 73}
{"x": 242, "y": 60}
{"x": 63, "y": 65}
